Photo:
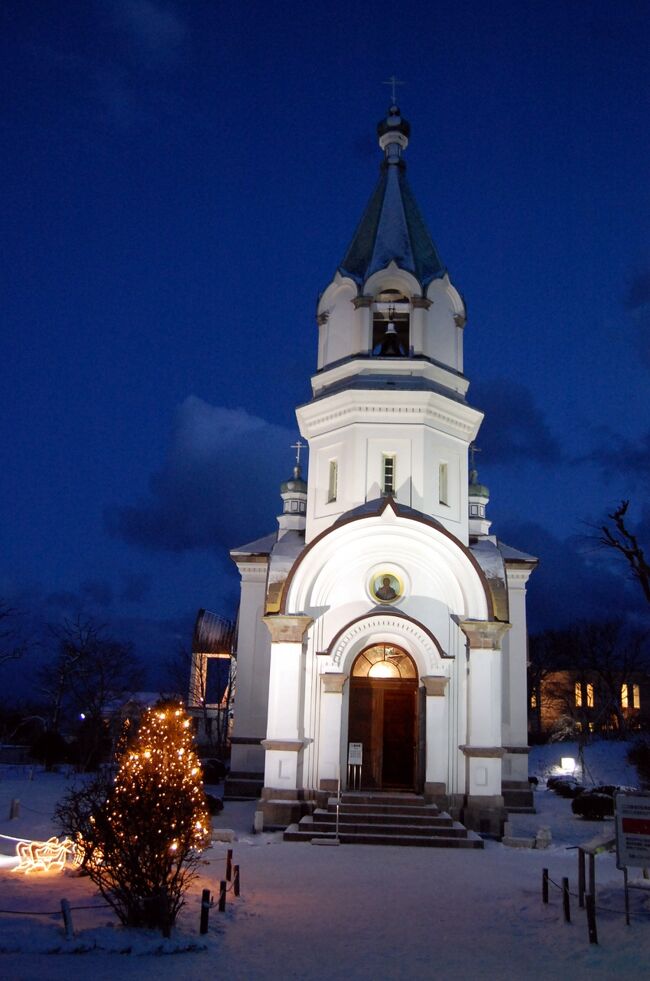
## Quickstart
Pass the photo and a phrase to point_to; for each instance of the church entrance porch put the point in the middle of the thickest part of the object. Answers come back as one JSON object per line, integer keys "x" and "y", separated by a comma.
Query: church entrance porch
{"x": 383, "y": 717}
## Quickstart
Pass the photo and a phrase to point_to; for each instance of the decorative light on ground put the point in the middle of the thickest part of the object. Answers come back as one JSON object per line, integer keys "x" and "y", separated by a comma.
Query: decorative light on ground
{"x": 568, "y": 764}
{"x": 46, "y": 856}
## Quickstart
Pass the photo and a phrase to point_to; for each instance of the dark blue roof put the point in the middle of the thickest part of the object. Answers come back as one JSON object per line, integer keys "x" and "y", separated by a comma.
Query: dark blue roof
{"x": 392, "y": 228}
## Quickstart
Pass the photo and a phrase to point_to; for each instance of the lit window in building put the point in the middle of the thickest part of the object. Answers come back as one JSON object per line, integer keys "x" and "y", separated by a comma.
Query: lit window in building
{"x": 533, "y": 700}
{"x": 578, "y": 694}
{"x": 636, "y": 697}
{"x": 388, "y": 474}
{"x": 443, "y": 484}
{"x": 624, "y": 696}
{"x": 590, "y": 696}
{"x": 332, "y": 485}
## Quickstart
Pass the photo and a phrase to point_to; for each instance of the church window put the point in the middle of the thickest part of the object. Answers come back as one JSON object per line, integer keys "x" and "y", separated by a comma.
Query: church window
{"x": 578, "y": 694}
{"x": 590, "y": 696}
{"x": 388, "y": 473}
{"x": 384, "y": 661}
{"x": 624, "y": 696}
{"x": 390, "y": 325}
{"x": 636, "y": 697}
{"x": 332, "y": 484}
{"x": 443, "y": 483}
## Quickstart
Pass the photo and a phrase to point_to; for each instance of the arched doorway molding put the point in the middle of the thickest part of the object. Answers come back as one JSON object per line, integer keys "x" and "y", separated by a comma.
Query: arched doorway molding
{"x": 389, "y": 628}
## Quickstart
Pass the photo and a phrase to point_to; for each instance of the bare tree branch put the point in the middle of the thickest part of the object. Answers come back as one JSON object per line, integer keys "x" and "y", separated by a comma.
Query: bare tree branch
{"x": 621, "y": 539}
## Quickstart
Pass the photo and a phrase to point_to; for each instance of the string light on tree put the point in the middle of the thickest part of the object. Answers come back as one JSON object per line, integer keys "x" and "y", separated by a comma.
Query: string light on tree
{"x": 142, "y": 844}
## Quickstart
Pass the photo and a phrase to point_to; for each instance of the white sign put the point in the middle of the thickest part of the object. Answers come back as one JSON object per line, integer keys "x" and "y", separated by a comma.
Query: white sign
{"x": 632, "y": 830}
{"x": 355, "y": 754}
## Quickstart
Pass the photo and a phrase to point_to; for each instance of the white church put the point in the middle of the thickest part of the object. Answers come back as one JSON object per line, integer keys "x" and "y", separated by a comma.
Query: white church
{"x": 382, "y": 627}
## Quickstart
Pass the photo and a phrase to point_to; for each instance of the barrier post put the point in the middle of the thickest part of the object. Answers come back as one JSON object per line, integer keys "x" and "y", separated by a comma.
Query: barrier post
{"x": 545, "y": 885}
{"x": 66, "y": 913}
{"x": 229, "y": 865}
{"x": 205, "y": 910}
{"x": 581, "y": 878}
{"x": 565, "y": 899}
{"x": 222, "y": 896}
{"x": 235, "y": 884}
{"x": 591, "y": 918}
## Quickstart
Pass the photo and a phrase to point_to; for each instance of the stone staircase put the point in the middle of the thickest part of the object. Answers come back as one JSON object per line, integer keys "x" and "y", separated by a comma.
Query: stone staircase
{"x": 243, "y": 786}
{"x": 518, "y": 797}
{"x": 384, "y": 819}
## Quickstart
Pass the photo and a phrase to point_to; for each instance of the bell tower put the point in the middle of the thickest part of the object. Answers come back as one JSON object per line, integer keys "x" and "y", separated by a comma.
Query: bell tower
{"x": 388, "y": 414}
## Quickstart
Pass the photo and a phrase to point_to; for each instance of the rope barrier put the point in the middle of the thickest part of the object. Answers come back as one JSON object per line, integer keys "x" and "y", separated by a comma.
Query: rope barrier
{"x": 601, "y": 909}
{"x": 56, "y": 912}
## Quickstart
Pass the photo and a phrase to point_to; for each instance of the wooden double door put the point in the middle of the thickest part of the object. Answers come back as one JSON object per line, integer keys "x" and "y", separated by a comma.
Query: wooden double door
{"x": 384, "y": 718}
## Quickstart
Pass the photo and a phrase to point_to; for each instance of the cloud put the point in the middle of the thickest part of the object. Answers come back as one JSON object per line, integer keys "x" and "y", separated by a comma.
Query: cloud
{"x": 616, "y": 455}
{"x": 514, "y": 427}
{"x": 638, "y": 294}
{"x": 154, "y": 26}
{"x": 219, "y": 486}
{"x": 637, "y": 303}
{"x": 136, "y": 587}
{"x": 576, "y": 579}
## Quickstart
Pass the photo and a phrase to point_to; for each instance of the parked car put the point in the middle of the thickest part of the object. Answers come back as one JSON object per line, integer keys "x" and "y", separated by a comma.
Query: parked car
{"x": 214, "y": 770}
{"x": 565, "y": 786}
{"x": 596, "y": 803}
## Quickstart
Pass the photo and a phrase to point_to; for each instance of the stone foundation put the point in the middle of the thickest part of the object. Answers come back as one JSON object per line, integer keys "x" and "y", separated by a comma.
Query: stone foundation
{"x": 486, "y": 815}
{"x": 280, "y": 808}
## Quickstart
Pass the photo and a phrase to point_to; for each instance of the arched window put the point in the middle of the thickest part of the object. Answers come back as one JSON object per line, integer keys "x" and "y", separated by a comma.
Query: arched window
{"x": 384, "y": 661}
{"x": 391, "y": 325}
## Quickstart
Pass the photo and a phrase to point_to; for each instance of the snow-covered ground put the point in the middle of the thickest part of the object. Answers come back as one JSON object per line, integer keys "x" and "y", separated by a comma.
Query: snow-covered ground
{"x": 353, "y": 912}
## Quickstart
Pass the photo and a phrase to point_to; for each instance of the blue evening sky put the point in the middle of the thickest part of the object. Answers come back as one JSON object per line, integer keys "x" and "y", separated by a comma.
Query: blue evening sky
{"x": 181, "y": 179}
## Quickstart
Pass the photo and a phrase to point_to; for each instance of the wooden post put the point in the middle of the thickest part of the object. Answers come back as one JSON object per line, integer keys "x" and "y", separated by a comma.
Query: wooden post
{"x": 592, "y": 875}
{"x": 566, "y": 900}
{"x": 591, "y": 919}
{"x": 205, "y": 910}
{"x": 222, "y": 896}
{"x": 67, "y": 919}
{"x": 581, "y": 878}
{"x": 14, "y": 809}
{"x": 163, "y": 906}
{"x": 545, "y": 885}
{"x": 235, "y": 884}
{"x": 229, "y": 865}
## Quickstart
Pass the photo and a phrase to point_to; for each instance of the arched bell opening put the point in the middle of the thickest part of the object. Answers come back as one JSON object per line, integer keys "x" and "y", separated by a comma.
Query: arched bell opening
{"x": 391, "y": 325}
{"x": 383, "y": 717}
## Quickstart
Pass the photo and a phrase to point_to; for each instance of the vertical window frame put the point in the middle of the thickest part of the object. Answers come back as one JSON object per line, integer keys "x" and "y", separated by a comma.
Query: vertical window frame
{"x": 388, "y": 474}
{"x": 443, "y": 483}
{"x": 333, "y": 481}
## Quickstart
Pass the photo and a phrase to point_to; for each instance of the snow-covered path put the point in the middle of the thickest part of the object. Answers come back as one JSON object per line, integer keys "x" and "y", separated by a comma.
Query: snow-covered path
{"x": 354, "y": 912}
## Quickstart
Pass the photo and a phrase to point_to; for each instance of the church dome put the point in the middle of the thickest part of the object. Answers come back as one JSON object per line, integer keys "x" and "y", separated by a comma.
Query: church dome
{"x": 295, "y": 484}
{"x": 476, "y": 489}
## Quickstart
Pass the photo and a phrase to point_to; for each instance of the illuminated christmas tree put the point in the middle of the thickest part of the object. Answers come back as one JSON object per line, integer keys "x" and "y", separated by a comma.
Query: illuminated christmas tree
{"x": 142, "y": 839}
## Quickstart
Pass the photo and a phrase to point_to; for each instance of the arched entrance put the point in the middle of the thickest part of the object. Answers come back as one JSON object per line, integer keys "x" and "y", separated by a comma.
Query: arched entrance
{"x": 384, "y": 717}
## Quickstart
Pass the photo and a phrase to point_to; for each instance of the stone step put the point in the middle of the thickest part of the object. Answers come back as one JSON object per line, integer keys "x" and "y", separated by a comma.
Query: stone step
{"x": 378, "y": 807}
{"x": 360, "y": 816}
{"x": 381, "y": 798}
{"x": 243, "y": 786}
{"x": 470, "y": 840}
{"x": 453, "y": 830}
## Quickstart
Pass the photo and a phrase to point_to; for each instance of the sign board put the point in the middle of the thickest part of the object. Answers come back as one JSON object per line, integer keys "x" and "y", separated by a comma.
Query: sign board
{"x": 355, "y": 754}
{"x": 632, "y": 831}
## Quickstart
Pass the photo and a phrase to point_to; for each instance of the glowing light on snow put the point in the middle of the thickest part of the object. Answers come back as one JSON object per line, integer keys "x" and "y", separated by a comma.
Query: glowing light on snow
{"x": 568, "y": 764}
{"x": 46, "y": 856}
